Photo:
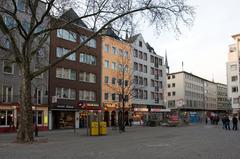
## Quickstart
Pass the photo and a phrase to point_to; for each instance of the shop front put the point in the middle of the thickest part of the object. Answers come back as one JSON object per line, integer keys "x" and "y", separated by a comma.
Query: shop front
{"x": 10, "y": 116}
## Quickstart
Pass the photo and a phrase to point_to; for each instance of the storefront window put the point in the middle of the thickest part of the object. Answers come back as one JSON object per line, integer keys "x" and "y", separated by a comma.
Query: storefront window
{"x": 38, "y": 117}
{"x": 6, "y": 117}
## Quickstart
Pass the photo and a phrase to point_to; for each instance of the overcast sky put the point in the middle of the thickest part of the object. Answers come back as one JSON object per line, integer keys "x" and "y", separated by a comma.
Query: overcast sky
{"x": 204, "y": 47}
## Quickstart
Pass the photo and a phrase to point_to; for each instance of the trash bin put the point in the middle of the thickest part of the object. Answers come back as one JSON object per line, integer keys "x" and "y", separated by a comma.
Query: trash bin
{"x": 103, "y": 128}
{"x": 94, "y": 128}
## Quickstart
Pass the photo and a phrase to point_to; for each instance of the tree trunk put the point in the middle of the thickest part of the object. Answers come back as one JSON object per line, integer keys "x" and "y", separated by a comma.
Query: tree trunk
{"x": 25, "y": 131}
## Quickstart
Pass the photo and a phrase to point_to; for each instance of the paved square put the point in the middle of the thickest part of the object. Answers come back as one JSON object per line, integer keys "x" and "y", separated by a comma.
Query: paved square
{"x": 191, "y": 142}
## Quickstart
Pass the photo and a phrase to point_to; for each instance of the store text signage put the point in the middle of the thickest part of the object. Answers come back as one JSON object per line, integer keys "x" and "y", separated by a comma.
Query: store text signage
{"x": 65, "y": 106}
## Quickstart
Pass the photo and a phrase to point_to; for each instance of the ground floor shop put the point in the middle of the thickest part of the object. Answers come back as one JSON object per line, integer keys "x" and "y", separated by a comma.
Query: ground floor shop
{"x": 10, "y": 116}
{"x": 69, "y": 117}
{"x": 113, "y": 115}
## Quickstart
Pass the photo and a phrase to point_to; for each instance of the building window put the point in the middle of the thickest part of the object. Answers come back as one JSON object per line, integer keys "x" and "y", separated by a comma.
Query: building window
{"x": 113, "y": 80}
{"x": 152, "y": 96}
{"x": 173, "y": 93}
{"x": 87, "y": 95}
{"x": 62, "y": 51}
{"x": 169, "y": 85}
{"x": 234, "y": 78}
{"x": 66, "y": 73}
{"x": 114, "y": 50}
{"x": 6, "y": 117}
{"x": 145, "y": 68}
{"x": 119, "y": 82}
{"x": 140, "y": 80}
{"x": 173, "y": 76}
{"x": 87, "y": 77}
{"x": 91, "y": 43}
{"x": 125, "y": 54}
{"x": 87, "y": 59}
{"x": 169, "y": 93}
{"x": 160, "y": 73}
{"x": 140, "y": 94}
{"x": 135, "y": 79}
{"x": 233, "y": 67}
{"x": 106, "y": 96}
{"x": 66, "y": 93}
{"x": 140, "y": 67}
{"x": 38, "y": 117}
{"x": 145, "y": 56}
{"x": 152, "y": 59}
{"x": 152, "y": 83}
{"x": 135, "y": 53}
{"x": 140, "y": 55}
{"x": 140, "y": 43}
{"x": 160, "y": 62}
{"x": 38, "y": 96}
{"x": 173, "y": 84}
{"x": 145, "y": 83}
{"x": 7, "y": 94}
{"x": 135, "y": 93}
{"x": 160, "y": 84}
{"x": 169, "y": 77}
{"x": 67, "y": 35}
{"x": 145, "y": 96}
{"x": 126, "y": 83}
{"x": 106, "y": 48}
{"x": 135, "y": 66}
{"x": 8, "y": 67}
{"x": 106, "y": 79}
{"x": 152, "y": 71}
{"x": 234, "y": 89}
{"x": 106, "y": 64}
{"x": 113, "y": 96}
{"x": 114, "y": 66}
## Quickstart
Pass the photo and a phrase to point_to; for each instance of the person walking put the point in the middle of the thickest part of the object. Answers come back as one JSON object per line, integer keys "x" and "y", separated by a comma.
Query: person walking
{"x": 206, "y": 120}
{"x": 235, "y": 122}
{"x": 227, "y": 123}
{"x": 223, "y": 121}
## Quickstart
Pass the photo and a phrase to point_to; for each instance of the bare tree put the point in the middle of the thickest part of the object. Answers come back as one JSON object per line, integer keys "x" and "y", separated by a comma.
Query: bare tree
{"x": 26, "y": 41}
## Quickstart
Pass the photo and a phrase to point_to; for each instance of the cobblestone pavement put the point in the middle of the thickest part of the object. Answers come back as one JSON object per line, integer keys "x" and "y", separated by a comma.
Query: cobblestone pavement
{"x": 191, "y": 142}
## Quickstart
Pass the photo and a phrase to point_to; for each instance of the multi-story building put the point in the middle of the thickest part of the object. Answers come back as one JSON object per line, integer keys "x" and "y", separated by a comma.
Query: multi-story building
{"x": 10, "y": 75}
{"x": 210, "y": 95}
{"x": 222, "y": 98}
{"x": 185, "y": 91}
{"x": 149, "y": 74}
{"x": 190, "y": 93}
{"x": 75, "y": 81}
{"x": 116, "y": 76}
{"x": 233, "y": 81}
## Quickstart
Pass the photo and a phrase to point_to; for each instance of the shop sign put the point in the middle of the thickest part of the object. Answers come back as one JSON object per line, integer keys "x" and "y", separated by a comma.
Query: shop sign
{"x": 141, "y": 109}
{"x": 65, "y": 106}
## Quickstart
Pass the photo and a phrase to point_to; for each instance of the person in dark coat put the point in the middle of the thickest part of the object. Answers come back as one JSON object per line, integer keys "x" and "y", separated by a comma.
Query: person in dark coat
{"x": 223, "y": 121}
{"x": 235, "y": 122}
{"x": 227, "y": 123}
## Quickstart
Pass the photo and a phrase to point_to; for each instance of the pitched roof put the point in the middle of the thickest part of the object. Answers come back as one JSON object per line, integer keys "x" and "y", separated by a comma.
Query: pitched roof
{"x": 133, "y": 38}
{"x": 71, "y": 15}
{"x": 150, "y": 48}
{"x": 109, "y": 32}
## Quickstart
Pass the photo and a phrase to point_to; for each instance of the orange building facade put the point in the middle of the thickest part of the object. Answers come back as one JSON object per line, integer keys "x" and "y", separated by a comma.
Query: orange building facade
{"x": 116, "y": 77}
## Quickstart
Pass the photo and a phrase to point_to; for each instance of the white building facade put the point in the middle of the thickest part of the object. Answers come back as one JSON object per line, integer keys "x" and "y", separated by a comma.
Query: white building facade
{"x": 233, "y": 74}
{"x": 149, "y": 77}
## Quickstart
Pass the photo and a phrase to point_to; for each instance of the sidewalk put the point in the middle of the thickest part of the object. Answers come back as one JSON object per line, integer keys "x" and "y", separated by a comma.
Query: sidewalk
{"x": 44, "y": 136}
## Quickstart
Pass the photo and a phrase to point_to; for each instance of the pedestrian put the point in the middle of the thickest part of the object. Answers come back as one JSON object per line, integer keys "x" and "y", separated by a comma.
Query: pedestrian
{"x": 217, "y": 119}
{"x": 211, "y": 118}
{"x": 223, "y": 121}
{"x": 235, "y": 122}
{"x": 227, "y": 123}
{"x": 206, "y": 120}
